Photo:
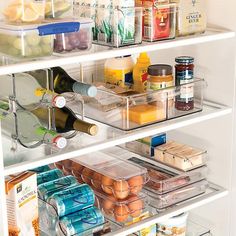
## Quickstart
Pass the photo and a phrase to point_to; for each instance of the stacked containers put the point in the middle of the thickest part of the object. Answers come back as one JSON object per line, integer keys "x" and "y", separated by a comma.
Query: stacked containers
{"x": 117, "y": 184}
{"x": 69, "y": 206}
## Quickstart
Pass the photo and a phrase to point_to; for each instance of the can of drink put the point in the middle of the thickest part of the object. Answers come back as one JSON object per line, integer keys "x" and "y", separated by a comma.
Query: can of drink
{"x": 71, "y": 200}
{"x": 50, "y": 175}
{"x": 84, "y": 222}
{"x": 47, "y": 189}
{"x": 41, "y": 169}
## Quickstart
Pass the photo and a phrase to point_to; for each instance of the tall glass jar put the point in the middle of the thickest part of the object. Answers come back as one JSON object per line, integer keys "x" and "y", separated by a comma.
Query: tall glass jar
{"x": 184, "y": 75}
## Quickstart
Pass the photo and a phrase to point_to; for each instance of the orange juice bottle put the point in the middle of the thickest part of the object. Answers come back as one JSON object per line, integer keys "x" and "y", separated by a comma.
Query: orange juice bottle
{"x": 140, "y": 72}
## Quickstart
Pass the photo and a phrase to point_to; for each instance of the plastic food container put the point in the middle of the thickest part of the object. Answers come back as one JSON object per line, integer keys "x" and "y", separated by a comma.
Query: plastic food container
{"x": 163, "y": 201}
{"x": 115, "y": 27}
{"x": 31, "y": 41}
{"x": 180, "y": 156}
{"x": 164, "y": 181}
{"x": 58, "y": 8}
{"x": 23, "y": 11}
{"x": 122, "y": 211}
{"x": 50, "y": 225}
{"x": 76, "y": 37}
{"x": 159, "y": 22}
{"x": 128, "y": 110}
{"x": 176, "y": 225}
{"x": 107, "y": 173}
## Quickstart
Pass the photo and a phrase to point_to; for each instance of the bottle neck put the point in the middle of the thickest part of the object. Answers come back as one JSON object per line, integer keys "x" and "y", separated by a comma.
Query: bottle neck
{"x": 85, "y": 127}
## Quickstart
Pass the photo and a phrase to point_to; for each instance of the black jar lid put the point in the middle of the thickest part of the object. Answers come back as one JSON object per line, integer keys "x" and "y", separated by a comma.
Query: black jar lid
{"x": 160, "y": 70}
{"x": 184, "y": 60}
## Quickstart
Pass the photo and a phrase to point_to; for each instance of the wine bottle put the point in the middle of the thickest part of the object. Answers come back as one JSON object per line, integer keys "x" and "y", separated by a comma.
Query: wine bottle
{"x": 27, "y": 128}
{"x": 66, "y": 120}
{"x": 29, "y": 93}
{"x": 64, "y": 83}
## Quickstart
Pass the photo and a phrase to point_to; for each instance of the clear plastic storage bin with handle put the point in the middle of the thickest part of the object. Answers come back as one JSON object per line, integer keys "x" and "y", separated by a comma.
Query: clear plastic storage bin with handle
{"x": 23, "y": 11}
{"x": 31, "y": 41}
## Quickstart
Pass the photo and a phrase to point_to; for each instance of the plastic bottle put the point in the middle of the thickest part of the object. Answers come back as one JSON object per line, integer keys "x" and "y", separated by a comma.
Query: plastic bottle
{"x": 119, "y": 71}
{"x": 140, "y": 72}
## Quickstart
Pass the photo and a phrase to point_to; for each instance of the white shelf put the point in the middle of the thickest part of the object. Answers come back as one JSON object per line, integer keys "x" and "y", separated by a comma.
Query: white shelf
{"x": 107, "y": 137}
{"x": 214, "y": 192}
{"x": 101, "y": 52}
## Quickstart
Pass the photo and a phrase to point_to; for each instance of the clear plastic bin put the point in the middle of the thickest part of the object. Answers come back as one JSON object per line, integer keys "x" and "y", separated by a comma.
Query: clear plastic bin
{"x": 107, "y": 173}
{"x": 23, "y": 11}
{"x": 77, "y": 36}
{"x": 37, "y": 40}
{"x": 163, "y": 181}
{"x": 180, "y": 156}
{"x": 115, "y": 27}
{"x": 129, "y": 110}
{"x": 50, "y": 224}
{"x": 122, "y": 211}
{"x": 163, "y": 201}
{"x": 58, "y": 8}
{"x": 159, "y": 22}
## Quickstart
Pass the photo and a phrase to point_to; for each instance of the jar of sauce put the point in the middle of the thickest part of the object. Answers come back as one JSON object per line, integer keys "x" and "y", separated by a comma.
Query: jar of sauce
{"x": 160, "y": 76}
{"x": 184, "y": 74}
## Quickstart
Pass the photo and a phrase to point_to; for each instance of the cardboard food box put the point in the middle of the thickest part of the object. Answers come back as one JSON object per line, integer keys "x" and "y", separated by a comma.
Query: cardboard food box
{"x": 22, "y": 204}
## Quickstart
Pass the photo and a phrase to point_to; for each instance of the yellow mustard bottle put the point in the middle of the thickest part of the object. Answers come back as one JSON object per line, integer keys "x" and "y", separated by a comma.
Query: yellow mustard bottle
{"x": 140, "y": 72}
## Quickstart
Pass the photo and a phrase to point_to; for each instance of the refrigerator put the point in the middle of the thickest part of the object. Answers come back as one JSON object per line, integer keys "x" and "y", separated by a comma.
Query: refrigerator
{"x": 213, "y": 129}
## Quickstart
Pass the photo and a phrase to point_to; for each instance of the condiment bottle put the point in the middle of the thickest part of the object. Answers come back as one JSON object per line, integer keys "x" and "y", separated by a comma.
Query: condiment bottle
{"x": 160, "y": 76}
{"x": 140, "y": 73}
{"x": 184, "y": 74}
{"x": 119, "y": 71}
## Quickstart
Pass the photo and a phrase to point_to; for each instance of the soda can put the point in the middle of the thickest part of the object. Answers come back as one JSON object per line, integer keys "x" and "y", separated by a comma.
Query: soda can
{"x": 50, "y": 175}
{"x": 47, "y": 189}
{"x": 41, "y": 169}
{"x": 84, "y": 222}
{"x": 71, "y": 200}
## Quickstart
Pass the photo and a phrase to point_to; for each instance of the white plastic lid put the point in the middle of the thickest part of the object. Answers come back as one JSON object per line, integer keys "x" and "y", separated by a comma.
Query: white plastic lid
{"x": 60, "y": 142}
{"x": 59, "y": 101}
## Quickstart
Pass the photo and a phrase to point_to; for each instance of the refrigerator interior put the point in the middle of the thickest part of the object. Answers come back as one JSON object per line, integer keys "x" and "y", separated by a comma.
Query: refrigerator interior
{"x": 216, "y": 63}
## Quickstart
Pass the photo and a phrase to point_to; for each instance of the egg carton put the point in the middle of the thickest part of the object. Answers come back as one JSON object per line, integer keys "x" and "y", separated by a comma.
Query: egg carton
{"x": 107, "y": 174}
{"x": 122, "y": 211}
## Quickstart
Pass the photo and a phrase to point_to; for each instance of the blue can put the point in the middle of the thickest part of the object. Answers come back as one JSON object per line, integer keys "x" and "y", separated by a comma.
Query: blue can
{"x": 41, "y": 169}
{"x": 77, "y": 223}
{"x": 50, "y": 175}
{"x": 47, "y": 189}
{"x": 71, "y": 200}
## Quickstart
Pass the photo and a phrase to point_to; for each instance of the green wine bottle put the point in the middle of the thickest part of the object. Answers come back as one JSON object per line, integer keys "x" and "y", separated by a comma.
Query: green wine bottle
{"x": 66, "y": 120}
{"x": 64, "y": 83}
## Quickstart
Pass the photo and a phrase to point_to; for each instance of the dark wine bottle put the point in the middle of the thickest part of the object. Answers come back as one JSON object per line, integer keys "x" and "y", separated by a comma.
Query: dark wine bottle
{"x": 64, "y": 83}
{"x": 66, "y": 120}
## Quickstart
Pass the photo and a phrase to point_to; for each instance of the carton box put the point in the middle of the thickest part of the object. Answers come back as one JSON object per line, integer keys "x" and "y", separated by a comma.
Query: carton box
{"x": 22, "y": 204}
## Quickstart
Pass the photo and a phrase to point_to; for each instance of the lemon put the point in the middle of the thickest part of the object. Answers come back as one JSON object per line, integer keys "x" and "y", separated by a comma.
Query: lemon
{"x": 36, "y": 51}
{"x": 18, "y": 43}
{"x": 13, "y": 13}
{"x": 30, "y": 15}
{"x": 47, "y": 49}
{"x": 32, "y": 39}
{"x": 38, "y": 7}
{"x": 48, "y": 8}
{"x": 47, "y": 39}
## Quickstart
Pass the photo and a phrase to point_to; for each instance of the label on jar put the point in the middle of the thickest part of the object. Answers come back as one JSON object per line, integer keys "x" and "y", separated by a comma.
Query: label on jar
{"x": 160, "y": 85}
{"x": 186, "y": 91}
{"x": 122, "y": 78}
{"x": 191, "y": 17}
{"x": 156, "y": 23}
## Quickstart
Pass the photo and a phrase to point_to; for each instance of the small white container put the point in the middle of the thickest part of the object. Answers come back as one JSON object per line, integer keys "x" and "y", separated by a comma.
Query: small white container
{"x": 173, "y": 226}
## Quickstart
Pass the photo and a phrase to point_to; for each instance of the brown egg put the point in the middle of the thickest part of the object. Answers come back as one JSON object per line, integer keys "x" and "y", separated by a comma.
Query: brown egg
{"x": 87, "y": 175}
{"x": 67, "y": 163}
{"x": 97, "y": 180}
{"x": 107, "y": 184}
{"x": 136, "y": 184}
{"x": 59, "y": 165}
{"x": 108, "y": 204}
{"x": 135, "y": 206}
{"x": 121, "y": 189}
{"x": 121, "y": 213}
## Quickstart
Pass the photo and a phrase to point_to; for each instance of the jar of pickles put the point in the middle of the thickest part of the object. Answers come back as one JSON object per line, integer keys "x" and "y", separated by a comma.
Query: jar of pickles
{"x": 184, "y": 75}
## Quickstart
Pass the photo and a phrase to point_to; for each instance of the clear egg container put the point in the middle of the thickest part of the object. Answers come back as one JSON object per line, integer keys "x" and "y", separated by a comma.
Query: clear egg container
{"x": 106, "y": 173}
{"x": 122, "y": 211}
